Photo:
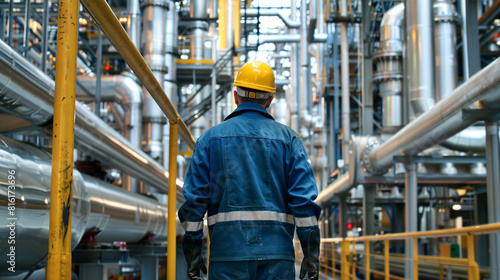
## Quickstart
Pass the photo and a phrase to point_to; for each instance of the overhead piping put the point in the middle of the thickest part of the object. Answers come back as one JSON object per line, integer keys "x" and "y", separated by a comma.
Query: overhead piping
{"x": 289, "y": 22}
{"x": 33, "y": 92}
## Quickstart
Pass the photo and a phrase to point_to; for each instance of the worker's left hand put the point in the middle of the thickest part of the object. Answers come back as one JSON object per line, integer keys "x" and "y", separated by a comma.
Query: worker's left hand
{"x": 192, "y": 251}
{"x": 309, "y": 266}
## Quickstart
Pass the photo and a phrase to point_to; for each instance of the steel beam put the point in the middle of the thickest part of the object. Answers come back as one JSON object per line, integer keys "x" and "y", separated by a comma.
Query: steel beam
{"x": 493, "y": 191}
{"x": 411, "y": 210}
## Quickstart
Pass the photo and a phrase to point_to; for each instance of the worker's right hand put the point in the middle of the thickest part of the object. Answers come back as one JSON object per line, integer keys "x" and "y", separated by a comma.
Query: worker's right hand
{"x": 310, "y": 241}
{"x": 192, "y": 251}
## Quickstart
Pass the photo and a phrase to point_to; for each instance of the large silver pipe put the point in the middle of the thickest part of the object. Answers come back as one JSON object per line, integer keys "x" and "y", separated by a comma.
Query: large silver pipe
{"x": 420, "y": 55}
{"x": 33, "y": 92}
{"x": 295, "y": 60}
{"x": 346, "y": 107}
{"x": 445, "y": 17}
{"x": 155, "y": 14}
{"x": 122, "y": 89}
{"x": 116, "y": 214}
{"x": 170, "y": 85}
{"x": 341, "y": 185}
{"x": 305, "y": 65}
{"x": 388, "y": 60}
{"x": 289, "y": 22}
{"x": 134, "y": 22}
{"x": 441, "y": 121}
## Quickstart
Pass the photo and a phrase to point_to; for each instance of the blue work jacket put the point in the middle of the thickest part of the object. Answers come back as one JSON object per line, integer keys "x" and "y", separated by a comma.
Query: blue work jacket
{"x": 252, "y": 175}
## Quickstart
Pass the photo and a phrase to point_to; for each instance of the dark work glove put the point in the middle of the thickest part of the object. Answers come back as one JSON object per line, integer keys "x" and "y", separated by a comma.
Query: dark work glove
{"x": 192, "y": 251}
{"x": 310, "y": 248}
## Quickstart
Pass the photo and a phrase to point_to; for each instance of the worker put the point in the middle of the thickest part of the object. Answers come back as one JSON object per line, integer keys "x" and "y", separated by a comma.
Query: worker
{"x": 253, "y": 177}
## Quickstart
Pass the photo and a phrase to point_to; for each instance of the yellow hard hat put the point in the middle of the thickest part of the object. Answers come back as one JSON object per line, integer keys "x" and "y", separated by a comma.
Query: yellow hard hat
{"x": 256, "y": 75}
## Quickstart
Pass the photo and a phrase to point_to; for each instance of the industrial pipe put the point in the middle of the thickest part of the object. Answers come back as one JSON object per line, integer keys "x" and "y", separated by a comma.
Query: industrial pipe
{"x": 388, "y": 60}
{"x": 32, "y": 90}
{"x": 99, "y": 208}
{"x": 63, "y": 140}
{"x": 104, "y": 16}
{"x": 346, "y": 99}
{"x": 290, "y": 23}
{"x": 441, "y": 121}
{"x": 134, "y": 22}
{"x": 420, "y": 55}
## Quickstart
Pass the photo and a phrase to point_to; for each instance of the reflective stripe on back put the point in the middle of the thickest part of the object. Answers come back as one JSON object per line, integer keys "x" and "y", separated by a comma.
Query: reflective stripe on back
{"x": 250, "y": 216}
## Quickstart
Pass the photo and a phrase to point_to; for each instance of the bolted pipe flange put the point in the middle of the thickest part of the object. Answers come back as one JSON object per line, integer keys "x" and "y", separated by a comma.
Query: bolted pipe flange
{"x": 365, "y": 158}
{"x": 198, "y": 25}
{"x": 157, "y": 3}
{"x": 444, "y": 11}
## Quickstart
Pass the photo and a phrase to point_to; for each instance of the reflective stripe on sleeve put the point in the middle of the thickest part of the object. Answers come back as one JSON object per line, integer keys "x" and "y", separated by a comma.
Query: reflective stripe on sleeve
{"x": 192, "y": 226}
{"x": 250, "y": 216}
{"x": 306, "y": 222}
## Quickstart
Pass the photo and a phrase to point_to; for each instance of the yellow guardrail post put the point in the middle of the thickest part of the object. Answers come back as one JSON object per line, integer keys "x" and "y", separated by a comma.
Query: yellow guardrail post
{"x": 333, "y": 260}
{"x": 441, "y": 272}
{"x": 473, "y": 270}
{"x": 387, "y": 270}
{"x": 172, "y": 200}
{"x": 61, "y": 195}
{"x": 367, "y": 260}
{"x": 345, "y": 269}
{"x": 415, "y": 257}
{"x": 353, "y": 266}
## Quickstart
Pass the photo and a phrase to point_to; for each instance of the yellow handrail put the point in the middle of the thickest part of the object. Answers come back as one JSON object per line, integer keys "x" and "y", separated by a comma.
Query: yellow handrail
{"x": 111, "y": 26}
{"x": 61, "y": 194}
{"x": 473, "y": 268}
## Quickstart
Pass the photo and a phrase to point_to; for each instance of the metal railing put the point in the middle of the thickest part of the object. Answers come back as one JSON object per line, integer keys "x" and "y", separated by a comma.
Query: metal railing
{"x": 349, "y": 260}
{"x": 59, "y": 257}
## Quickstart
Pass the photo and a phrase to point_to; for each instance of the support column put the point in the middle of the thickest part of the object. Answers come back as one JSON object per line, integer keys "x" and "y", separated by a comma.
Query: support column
{"x": 61, "y": 195}
{"x": 367, "y": 92}
{"x": 346, "y": 102}
{"x": 493, "y": 192}
{"x": 411, "y": 210}
{"x": 368, "y": 213}
{"x": 343, "y": 216}
{"x": 149, "y": 268}
{"x": 470, "y": 37}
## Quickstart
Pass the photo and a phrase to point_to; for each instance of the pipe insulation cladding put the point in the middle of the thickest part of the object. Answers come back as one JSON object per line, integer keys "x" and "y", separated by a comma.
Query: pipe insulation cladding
{"x": 28, "y": 93}
{"x": 117, "y": 215}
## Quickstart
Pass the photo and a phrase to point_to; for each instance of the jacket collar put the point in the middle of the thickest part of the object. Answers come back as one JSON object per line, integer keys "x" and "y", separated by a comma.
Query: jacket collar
{"x": 249, "y": 106}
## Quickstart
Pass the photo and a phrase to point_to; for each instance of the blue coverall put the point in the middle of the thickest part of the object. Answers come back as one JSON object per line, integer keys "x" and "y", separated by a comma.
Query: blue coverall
{"x": 252, "y": 175}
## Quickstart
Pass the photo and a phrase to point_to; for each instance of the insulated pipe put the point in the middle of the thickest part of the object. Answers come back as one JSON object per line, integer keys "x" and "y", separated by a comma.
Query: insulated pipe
{"x": 32, "y": 90}
{"x": 420, "y": 60}
{"x": 289, "y": 22}
{"x": 170, "y": 83}
{"x": 124, "y": 90}
{"x": 388, "y": 60}
{"x": 63, "y": 141}
{"x": 155, "y": 14}
{"x": 346, "y": 105}
{"x": 441, "y": 121}
{"x": 117, "y": 215}
{"x": 295, "y": 59}
{"x": 341, "y": 185}
{"x": 134, "y": 22}
{"x": 102, "y": 13}
{"x": 445, "y": 42}
{"x": 305, "y": 79}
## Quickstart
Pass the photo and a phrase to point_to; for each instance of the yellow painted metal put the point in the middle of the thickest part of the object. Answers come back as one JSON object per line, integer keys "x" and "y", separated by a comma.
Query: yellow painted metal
{"x": 474, "y": 230}
{"x": 441, "y": 272}
{"x": 471, "y": 257}
{"x": 195, "y": 61}
{"x": 172, "y": 200}
{"x": 353, "y": 266}
{"x": 414, "y": 243}
{"x": 367, "y": 260}
{"x": 236, "y": 28}
{"x": 345, "y": 261}
{"x": 444, "y": 260}
{"x": 111, "y": 26}
{"x": 333, "y": 260}
{"x": 387, "y": 270}
{"x": 61, "y": 195}
{"x": 223, "y": 23}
